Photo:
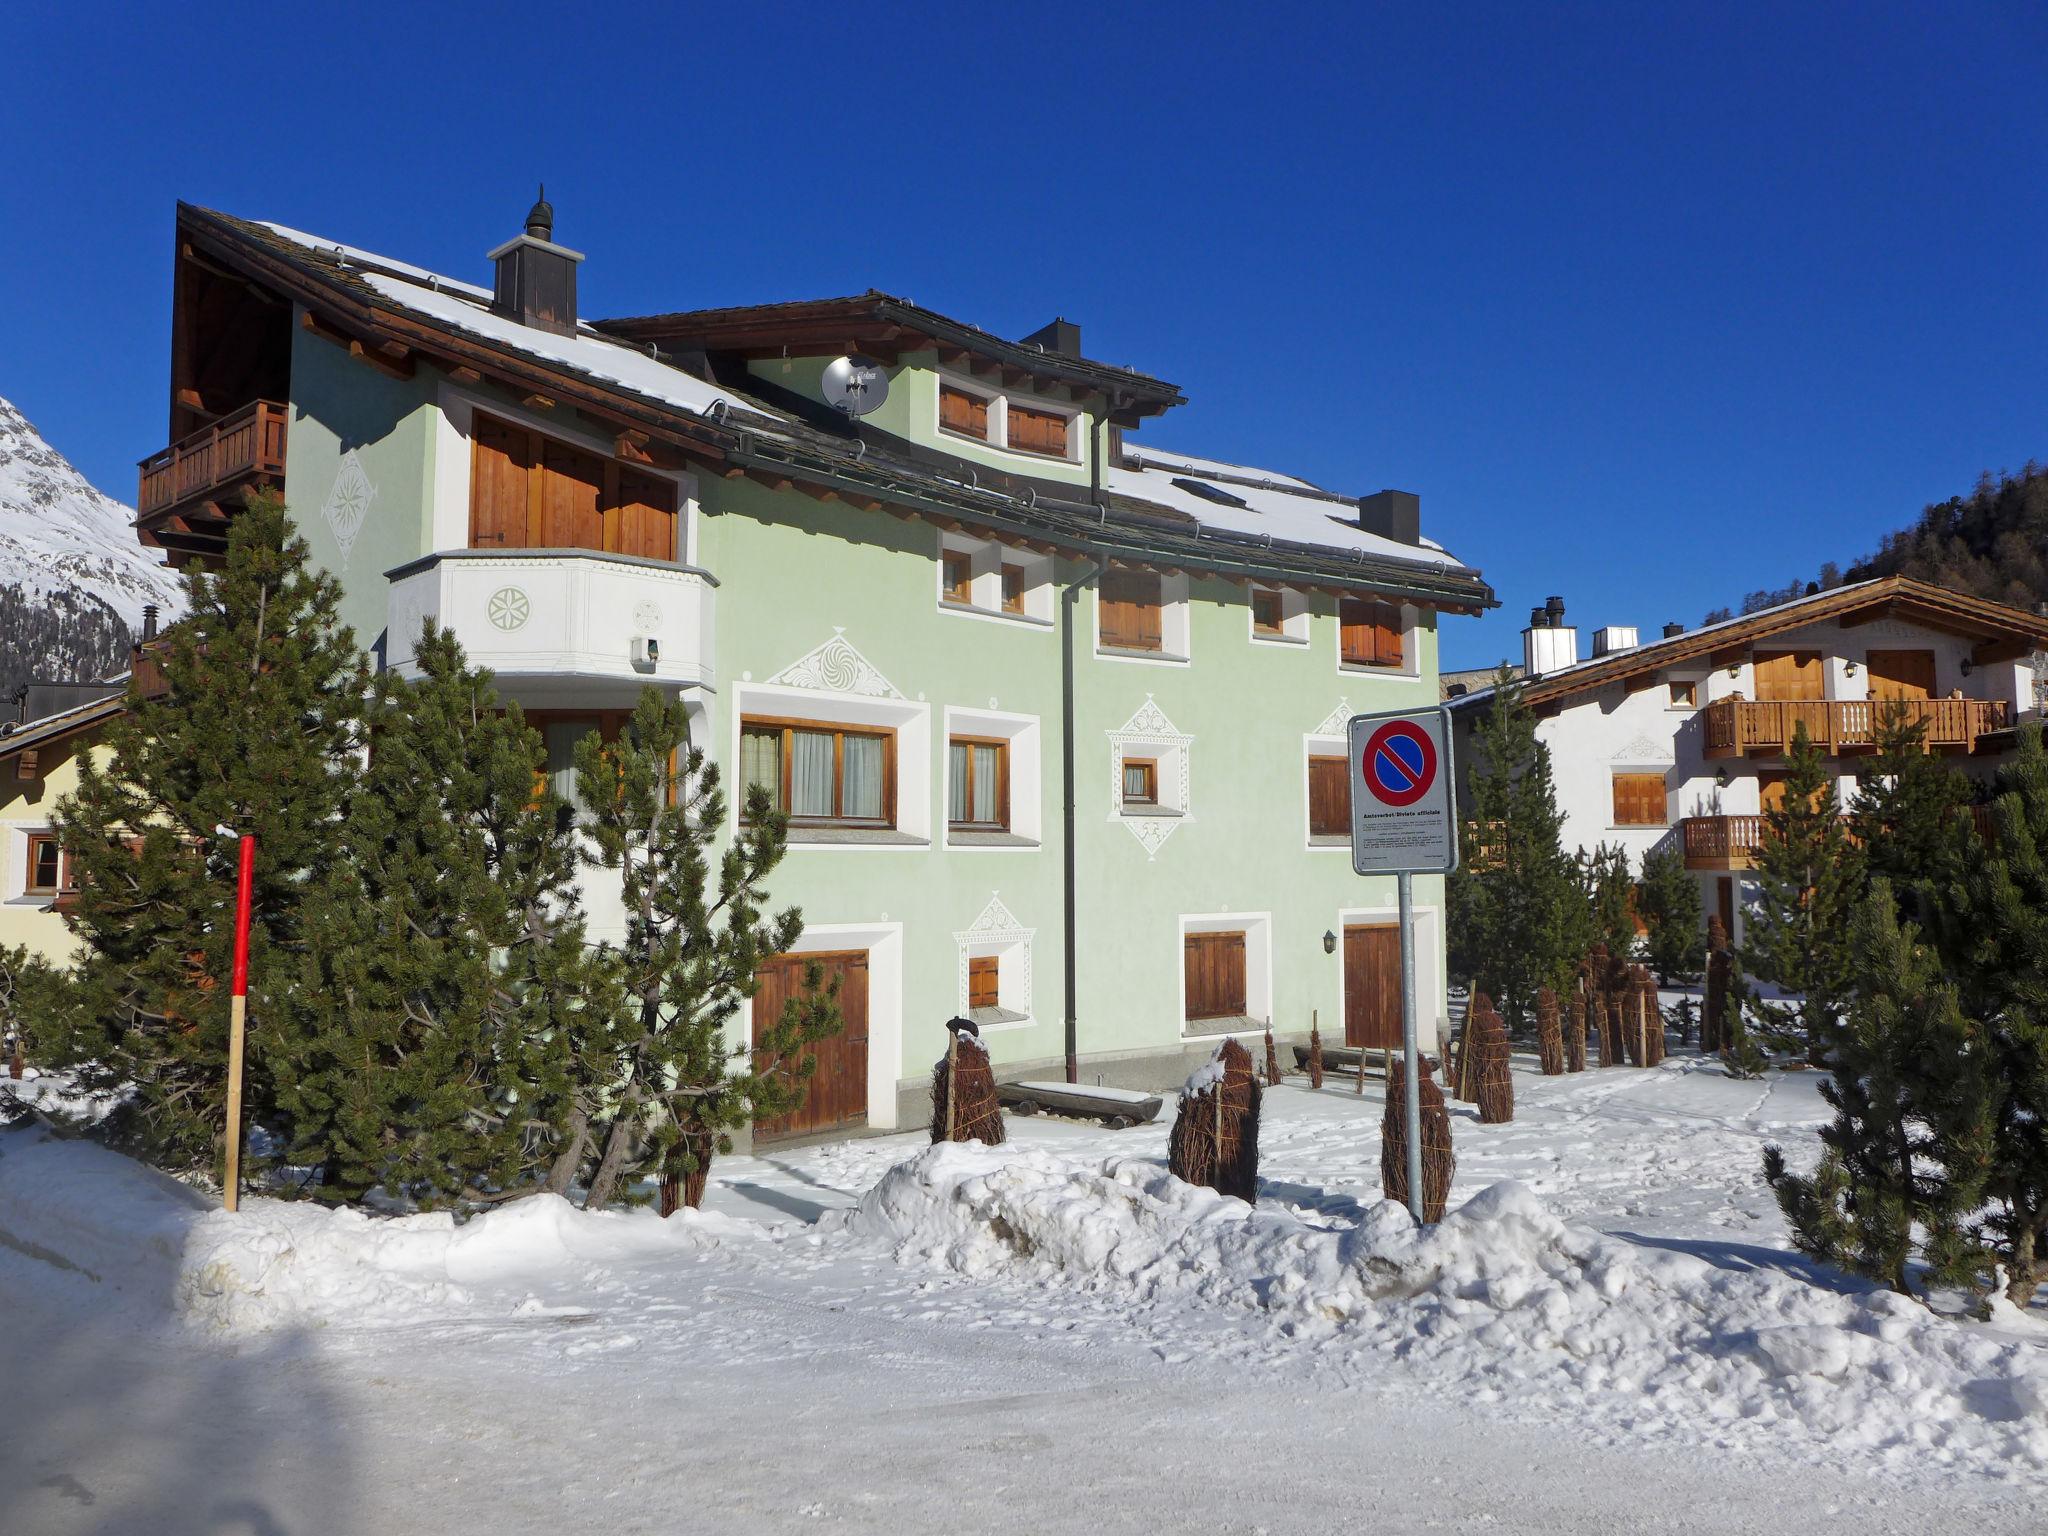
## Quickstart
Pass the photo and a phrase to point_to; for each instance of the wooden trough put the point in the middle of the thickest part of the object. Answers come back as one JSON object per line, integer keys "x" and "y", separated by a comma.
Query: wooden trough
{"x": 1117, "y": 1108}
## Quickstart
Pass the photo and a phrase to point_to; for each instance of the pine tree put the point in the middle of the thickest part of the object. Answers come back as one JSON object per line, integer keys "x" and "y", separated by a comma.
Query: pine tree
{"x": 681, "y": 1085}
{"x": 1517, "y": 917}
{"x": 1674, "y": 919}
{"x": 1993, "y": 929}
{"x": 1909, "y": 818}
{"x": 1740, "y": 1055}
{"x": 262, "y": 729}
{"x": 1908, "y": 1089}
{"x": 1808, "y": 876}
{"x": 1609, "y": 894}
{"x": 407, "y": 1064}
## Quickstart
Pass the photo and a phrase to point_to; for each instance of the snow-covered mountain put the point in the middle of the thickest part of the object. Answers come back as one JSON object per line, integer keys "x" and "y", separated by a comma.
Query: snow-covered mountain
{"x": 73, "y": 579}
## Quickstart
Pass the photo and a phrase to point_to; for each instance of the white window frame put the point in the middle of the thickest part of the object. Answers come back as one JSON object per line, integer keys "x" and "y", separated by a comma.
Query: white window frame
{"x": 1175, "y": 626}
{"x": 1294, "y": 625}
{"x": 912, "y": 723}
{"x": 986, "y": 559}
{"x": 1020, "y": 733}
{"x": 1257, "y": 928}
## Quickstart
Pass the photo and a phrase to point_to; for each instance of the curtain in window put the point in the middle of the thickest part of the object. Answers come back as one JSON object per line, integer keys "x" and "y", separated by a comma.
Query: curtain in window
{"x": 562, "y": 736}
{"x": 1137, "y": 781}
{"x": 863, "y": 788}
{"x": 761, "y": 763}
{"x": 956, "y": 782}
{"x": 988, "y": 778}
{"x": 810, "y": 773}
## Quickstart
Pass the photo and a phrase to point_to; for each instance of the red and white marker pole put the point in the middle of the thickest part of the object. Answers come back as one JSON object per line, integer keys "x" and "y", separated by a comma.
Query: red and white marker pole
{"x": 238, "y": 1016}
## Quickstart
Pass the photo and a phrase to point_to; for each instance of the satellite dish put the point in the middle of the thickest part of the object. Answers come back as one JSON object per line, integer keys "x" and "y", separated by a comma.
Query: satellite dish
{"x": 855, "y": 385}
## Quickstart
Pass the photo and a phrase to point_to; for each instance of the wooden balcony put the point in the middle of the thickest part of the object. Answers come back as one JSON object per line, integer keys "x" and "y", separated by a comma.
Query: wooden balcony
{"x": 1721, "y": 842}
{"x": 1743, "y": 728}
{"x": 189, "y": 490}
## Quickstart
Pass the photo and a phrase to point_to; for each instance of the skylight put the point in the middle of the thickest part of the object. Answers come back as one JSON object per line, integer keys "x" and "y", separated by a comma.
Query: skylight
{"x": 1209, "y": 492}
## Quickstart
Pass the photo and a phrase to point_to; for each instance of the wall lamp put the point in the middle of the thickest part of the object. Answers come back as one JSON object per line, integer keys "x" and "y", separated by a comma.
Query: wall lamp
{"x": 1967, "y": 666}
{"x": 1329, "y": 942}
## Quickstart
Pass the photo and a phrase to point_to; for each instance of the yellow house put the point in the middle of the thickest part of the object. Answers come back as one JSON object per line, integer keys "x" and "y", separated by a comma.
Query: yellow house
{"x": 38, "y": 768}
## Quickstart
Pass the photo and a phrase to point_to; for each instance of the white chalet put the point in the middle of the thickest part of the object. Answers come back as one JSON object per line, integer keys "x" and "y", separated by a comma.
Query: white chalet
{"x": 1682, "y": 742}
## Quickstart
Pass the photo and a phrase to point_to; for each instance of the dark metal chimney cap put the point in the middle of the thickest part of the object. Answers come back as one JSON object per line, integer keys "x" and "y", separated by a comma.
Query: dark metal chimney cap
{"x": 149, "y": 621}
{"x": 540, "y": 218}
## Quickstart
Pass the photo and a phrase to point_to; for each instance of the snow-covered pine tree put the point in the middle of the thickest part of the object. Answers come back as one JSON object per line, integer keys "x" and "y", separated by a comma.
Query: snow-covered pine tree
{"x": 690, "y": 956}
{"x": 1668, "y": 900}
{"x": 406, "y": 1060}
{"x": 1907, "y": 1084}
{"x": 1517, "y": 917}
{"x": 1808, "y": 877}
{"x": 262, "y": 728}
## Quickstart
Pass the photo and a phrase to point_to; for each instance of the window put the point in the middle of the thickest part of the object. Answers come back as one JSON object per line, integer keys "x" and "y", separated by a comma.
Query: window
{"x": 530, "y": 491}
{"x": 821, "y": 773}
{"x": 1329, "y": 797}
{"x": 958, "y": 574}
{"x": 49, "y": 868}
{"x": 1639, "y": 800}
{"x": 1013, "y": 588}
{"x": 1132, "y": 613}
{"x": 1213, "y": 971}
{"x": 1267, "y": 615}
{"x": 978, "y": 785}
{"x": 964, "y": 413}
{"x": 1369, "y": 633}
{"x": 1035, "y": 431}
{"x": 983, "y": 981}
{"x": 1684, "y": 695}
{"x": 1141, "y": 781}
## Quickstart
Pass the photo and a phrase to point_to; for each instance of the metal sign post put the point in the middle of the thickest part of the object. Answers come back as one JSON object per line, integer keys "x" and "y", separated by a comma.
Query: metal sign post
{"x": 1404, "y": 823}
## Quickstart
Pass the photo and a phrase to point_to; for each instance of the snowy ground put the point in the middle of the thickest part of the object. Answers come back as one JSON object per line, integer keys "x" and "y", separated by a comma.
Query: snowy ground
{"x": 1050, "y": 1337}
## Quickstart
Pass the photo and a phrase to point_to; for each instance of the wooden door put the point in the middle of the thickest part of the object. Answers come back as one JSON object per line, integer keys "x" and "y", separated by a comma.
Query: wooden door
{"x": 1901, "y": 674}
{"x": 1372, "y": 987}
{"x": 1786, "y": 676}
{"x": 1724, "y": 898}
{"x": 838, "y": 1096}
{"x": 571, "y": 490}
{"x": 1213, "y": 973}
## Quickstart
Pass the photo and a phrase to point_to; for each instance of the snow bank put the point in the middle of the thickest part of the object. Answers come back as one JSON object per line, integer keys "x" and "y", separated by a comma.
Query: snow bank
{"x": 1501, "y": 1302}
{"x": 105, "y": 1226}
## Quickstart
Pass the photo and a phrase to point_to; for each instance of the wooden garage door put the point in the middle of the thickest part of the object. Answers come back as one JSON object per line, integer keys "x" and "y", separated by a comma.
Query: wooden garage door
{"x": 1789, "y": 675}
{"x": 1372, "y": 987}
{"x": 1901, "y": 674}
{"x": 838, "y": 1097}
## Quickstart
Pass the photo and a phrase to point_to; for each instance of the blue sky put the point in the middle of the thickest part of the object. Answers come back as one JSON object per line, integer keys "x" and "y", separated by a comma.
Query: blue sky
{"x": 1652, "y": 306}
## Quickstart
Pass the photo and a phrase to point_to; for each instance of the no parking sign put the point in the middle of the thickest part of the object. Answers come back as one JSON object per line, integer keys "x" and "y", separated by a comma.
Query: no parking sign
{"x": 1402, "y": 817}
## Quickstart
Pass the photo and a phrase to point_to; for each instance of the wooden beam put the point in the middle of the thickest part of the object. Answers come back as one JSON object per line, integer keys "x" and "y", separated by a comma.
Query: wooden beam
{"x": 537, "y": 402}
{"x": 818, "y": 492}
{"x": 189, "y": 399}
{"x": 732, "y": 472}
{"x": 462, "y": 373}
{"x": 624, "y": 447}
{"x": 376, "y": 360}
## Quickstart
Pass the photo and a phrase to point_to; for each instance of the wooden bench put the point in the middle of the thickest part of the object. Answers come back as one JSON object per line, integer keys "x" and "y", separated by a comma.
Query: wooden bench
{"x": 1117, "y": 1108}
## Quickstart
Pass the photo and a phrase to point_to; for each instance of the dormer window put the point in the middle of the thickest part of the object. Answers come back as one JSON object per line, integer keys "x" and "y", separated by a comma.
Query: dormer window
{"x": 1035, "y": 431}
{"x": 1037, "y": 428}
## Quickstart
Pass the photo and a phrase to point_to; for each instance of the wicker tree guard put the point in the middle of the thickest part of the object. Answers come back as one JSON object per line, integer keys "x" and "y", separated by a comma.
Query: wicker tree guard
{"x": 1603, "y": 1036}
{"x": 1713, "y": 1021}
{"x": 1653, "y": 1017}
{"x": 1215, "y": 1139}
{"x": 680, "y": 1188}
{"x": 1272, "y": 1061}
{"x": 964, "y": 1104}
{"x": 1549, "y": 1035}
{"x": 1575, "y": 1036}
{"x": 1466, "y": 1076}
{"x": 1438, "y": 1163}
{"x": 1315, "y": 1053}
{"x": 1493, "y": 1085}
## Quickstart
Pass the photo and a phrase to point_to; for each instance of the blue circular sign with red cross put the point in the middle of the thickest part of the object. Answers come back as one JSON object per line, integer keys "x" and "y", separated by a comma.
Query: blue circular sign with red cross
{"x": 1400, "y": 763}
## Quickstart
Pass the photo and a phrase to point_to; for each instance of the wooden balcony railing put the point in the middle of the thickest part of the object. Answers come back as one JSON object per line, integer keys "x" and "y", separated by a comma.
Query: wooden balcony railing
{"x": 1737, "y": 727}
{"x": 245, "y": 446}
{"x": 1721, "y": 842}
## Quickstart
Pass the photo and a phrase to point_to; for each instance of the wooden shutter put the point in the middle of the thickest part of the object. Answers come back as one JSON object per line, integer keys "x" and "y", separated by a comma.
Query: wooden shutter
{"x": 1639, "y": 800}
{"x": 959, "y": 576}
{"x": 1387, "y": 635}
{"x": 643, "y": 517}
{"x": 500, "y": 462}
{"x": 1034, "y": 431}
{"x": 1213, "y": 972}
{"x": 963, "y": 413}
{"x": 1267, "y": 612}
{"x": 571, "y": 494}
{"x": 1132, "y": 618}
{"x": 1329, "y": 797}
{"x": 981, "y": 981}
{"x": 1786, "y": 676}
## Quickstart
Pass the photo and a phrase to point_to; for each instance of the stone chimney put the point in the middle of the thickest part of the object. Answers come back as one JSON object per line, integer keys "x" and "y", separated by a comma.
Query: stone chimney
{"x": 536, "y": 279}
